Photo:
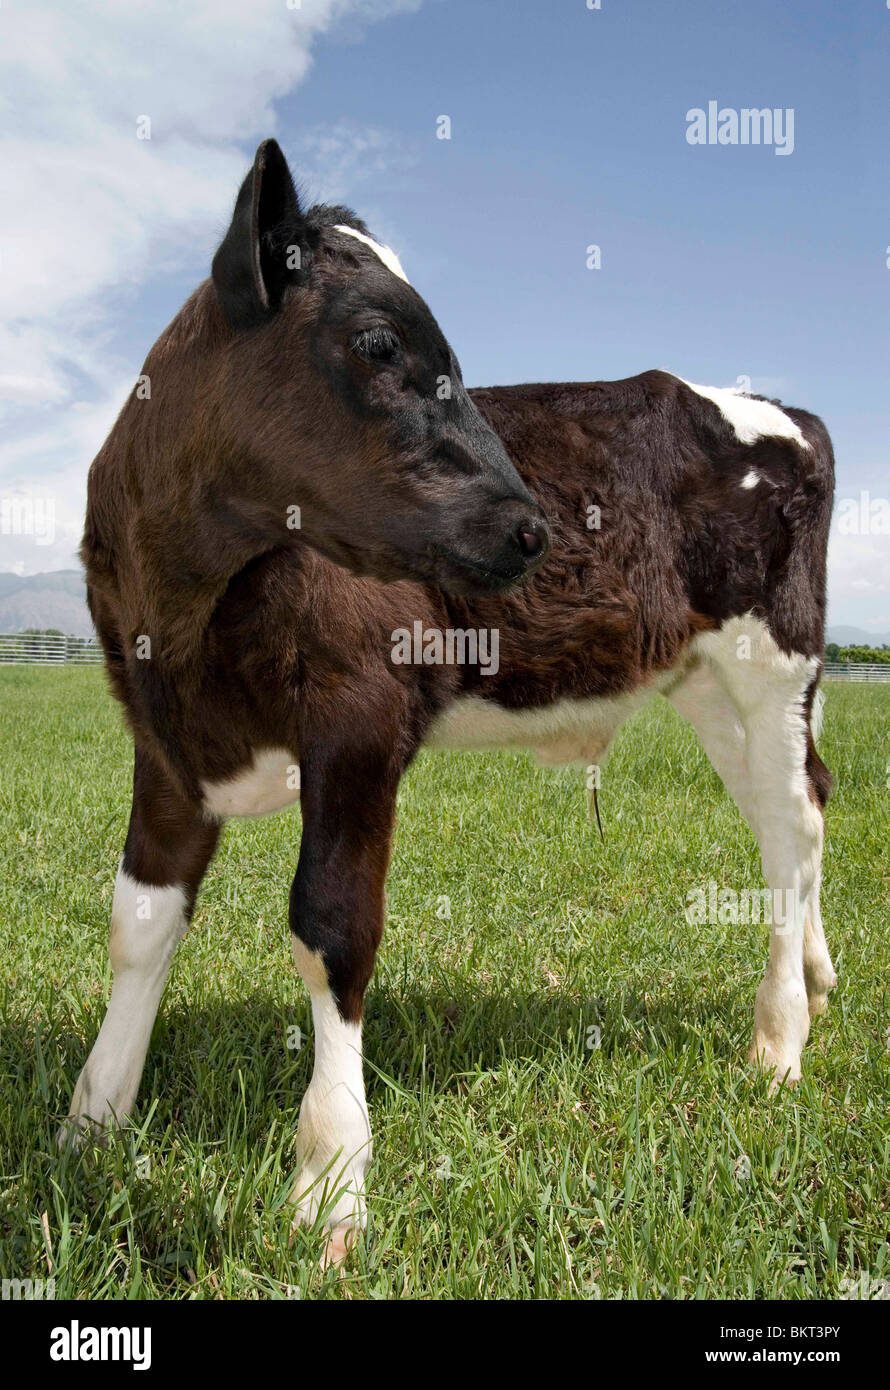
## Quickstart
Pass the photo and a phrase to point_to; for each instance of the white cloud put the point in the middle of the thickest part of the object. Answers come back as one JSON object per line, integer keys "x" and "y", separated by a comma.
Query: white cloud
{"x": 89, "y": 212}
{"x": 42, "y": 493}
{"x": 858, "y": 576}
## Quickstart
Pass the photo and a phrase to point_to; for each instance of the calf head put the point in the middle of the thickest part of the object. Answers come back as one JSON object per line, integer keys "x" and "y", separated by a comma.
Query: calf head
{"x": 342, "y": 397}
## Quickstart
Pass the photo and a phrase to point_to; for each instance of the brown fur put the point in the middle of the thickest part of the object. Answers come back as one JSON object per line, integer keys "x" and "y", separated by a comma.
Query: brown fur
{"x": 297, "y": 652}
{"x": 261, "y": 636}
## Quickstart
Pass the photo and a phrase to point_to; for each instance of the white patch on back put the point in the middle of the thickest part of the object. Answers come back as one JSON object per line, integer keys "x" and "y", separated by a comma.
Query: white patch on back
{"x": 270, "y": 783}
{"x": 568, "y": 731}
{"x": 750, "y": 660}
{"x": 387, "y": 256}
{"x": 751, "y": 419}
{"x": 750, "y": 479}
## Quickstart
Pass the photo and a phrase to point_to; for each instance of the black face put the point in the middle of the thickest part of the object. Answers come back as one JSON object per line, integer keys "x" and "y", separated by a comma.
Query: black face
{"x": 446, "y": 502}
{"x": 363, "y": 412}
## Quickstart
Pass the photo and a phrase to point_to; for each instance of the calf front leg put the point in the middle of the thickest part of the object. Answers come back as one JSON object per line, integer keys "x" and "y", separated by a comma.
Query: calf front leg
{"x": 336, "y": 917}
{"x": 168, "y": 847}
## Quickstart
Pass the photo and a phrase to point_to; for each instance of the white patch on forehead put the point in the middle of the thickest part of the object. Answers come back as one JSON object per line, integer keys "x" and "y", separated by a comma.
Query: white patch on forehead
{"x": 387, "y": 256}
{"x": 751, "y": 419}
{"x": 750, "y": 479}
{"x": 271, "y": 782}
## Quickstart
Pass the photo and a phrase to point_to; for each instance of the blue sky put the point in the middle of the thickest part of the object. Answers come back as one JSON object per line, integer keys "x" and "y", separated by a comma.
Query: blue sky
{"x": 568, "y": 128}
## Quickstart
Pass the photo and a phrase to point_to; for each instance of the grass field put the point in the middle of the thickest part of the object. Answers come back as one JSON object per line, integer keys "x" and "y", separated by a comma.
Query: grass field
{"x": 512, "y": 1160}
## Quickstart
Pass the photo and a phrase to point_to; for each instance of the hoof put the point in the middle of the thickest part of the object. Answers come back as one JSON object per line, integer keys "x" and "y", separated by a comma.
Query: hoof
{"x": 340, "y": 1237}
{"x": 785, "y": 1069}
{"x": 334, "y": 1196}
{"x": 73, "y": 1134}
{"x": 339, "y": 1241}
{"x": 80, "y": 1131}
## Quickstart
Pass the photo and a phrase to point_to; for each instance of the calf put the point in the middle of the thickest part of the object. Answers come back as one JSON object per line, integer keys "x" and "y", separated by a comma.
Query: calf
{"x": 261, "y": 663}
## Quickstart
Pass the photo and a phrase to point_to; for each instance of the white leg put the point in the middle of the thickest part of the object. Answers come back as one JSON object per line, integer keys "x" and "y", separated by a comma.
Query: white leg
{"x": 767, "y": 688}
{"x": 791, "y": 848}
{"x": 146, "y": 925}
{"x": 702, "y": 700}
{"x": 778, "y": 1038}
{"x": 334, "y": 1132}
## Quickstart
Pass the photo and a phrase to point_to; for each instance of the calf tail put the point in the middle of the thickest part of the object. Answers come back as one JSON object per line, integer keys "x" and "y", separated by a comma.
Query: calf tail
{"x": 820, "y": 778}
{"x": 808, "y": 514}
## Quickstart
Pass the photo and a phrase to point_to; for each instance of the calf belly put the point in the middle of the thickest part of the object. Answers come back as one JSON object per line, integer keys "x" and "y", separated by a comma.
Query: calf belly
{"x": 568, "y": 731}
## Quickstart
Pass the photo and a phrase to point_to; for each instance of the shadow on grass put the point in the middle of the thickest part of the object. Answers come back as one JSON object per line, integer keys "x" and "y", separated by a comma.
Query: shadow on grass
{"x": 219, "y": 1077}
{"x": 225, "y": 1067}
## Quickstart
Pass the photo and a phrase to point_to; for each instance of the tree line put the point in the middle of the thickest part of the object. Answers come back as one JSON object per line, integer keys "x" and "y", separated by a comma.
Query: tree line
{"x": 856, "y": 655}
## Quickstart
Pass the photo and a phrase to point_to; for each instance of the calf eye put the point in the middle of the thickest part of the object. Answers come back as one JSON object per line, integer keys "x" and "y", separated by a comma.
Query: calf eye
{"x": 375, "y": 345}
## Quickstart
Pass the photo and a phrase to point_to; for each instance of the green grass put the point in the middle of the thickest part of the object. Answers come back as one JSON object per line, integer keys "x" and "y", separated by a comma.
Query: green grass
{"x": 511, "y": 1160}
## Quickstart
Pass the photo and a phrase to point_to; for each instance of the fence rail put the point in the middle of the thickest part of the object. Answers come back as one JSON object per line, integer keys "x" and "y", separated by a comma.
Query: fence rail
{"x": 857, "y": 671}
{"x": 44, "y": 649}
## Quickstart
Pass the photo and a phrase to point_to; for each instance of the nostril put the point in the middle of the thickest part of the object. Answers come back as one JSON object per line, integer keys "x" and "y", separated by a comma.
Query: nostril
{"x": 530, "y": 538}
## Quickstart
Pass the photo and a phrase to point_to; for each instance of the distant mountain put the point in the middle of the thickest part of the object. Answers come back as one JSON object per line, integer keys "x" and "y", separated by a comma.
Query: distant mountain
{"x": 57, "y": 599}
{"x": 857, "y": 637}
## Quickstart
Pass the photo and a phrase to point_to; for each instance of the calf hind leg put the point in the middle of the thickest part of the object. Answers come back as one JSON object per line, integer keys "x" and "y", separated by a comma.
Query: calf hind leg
{"x": 701, "y": 699}
{"x": 750, "y": 705}
{"x": 167, "y": 850}
{"x": 771, "y": 691}
{"x": 819, "y": 972}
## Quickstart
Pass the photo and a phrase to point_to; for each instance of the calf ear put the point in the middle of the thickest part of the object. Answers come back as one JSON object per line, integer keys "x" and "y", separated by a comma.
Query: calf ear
{"x": 266, "y": 247}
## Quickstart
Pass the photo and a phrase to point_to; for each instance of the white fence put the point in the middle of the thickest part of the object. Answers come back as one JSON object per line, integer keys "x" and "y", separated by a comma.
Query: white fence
{"x": 859, "y": 671}
{"x": 44, "y": 649}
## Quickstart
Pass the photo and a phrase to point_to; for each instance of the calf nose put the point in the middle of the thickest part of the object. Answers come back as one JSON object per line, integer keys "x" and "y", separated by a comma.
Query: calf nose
{"x": 532, "y": 537}
{"x": 529, "y": 536}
